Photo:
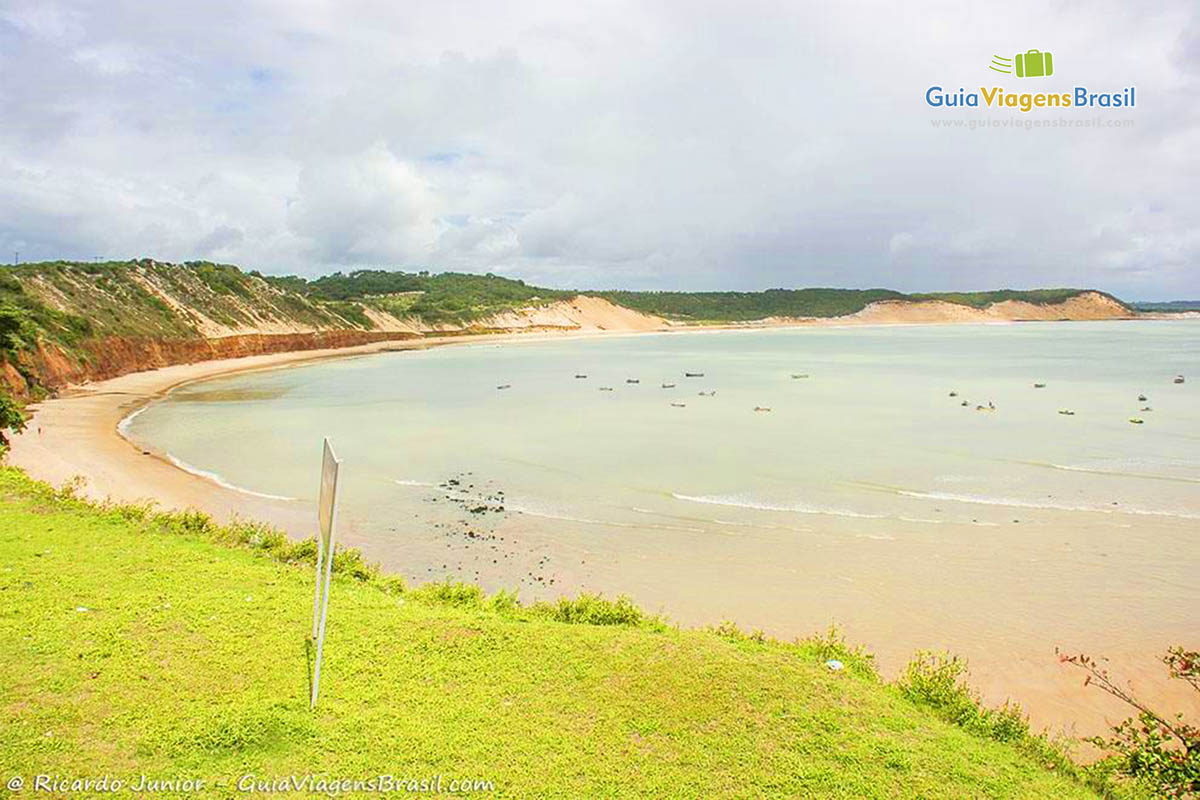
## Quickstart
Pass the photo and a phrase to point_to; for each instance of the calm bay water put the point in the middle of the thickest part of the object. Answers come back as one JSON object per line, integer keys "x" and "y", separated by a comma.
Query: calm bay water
{"x": 866, "y": 494}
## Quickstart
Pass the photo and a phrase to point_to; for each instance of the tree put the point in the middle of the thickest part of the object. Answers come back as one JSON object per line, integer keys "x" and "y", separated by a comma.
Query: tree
{"x": 1160, "y": 750}
{"x": 11, "y": 418}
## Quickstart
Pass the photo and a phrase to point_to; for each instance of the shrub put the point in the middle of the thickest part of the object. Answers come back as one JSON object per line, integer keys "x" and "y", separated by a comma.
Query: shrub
{"x": 1157, "y": 750}
{"x": 504, "y": 602}
{"x": 12, "y": 418}
{"x": 463, "y": 595}
{"x": 936, "y": 680}
{"x": 593, "y": 609}
{"x": 832, "y": 645}
{"x": 351, "y": 563}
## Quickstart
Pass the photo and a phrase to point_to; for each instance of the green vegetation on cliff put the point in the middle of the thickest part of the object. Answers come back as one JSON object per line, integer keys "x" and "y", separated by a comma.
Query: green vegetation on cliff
{"x": 435, "y": 298}
{"x": 161, "y": 644}
{"x": 70, "y": 313}
{"x": 749, "y": 306}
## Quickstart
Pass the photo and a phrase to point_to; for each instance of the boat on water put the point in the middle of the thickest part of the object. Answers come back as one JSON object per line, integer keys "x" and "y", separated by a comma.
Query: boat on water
{"x": 1178, "y": 379}
{"x": 606, "y": 388}
{"x": 678, "y": 405}
{"x": 798, "y": 375}
{"x": 713, "y": 393}
{"x": 1142, "y": 398}
{"x": 580, "y": 376}
{"x": 504, "y": 386}
{"x": 1066, "y": 412}
{"x": 1039, "y": 386}
{"x": 693, "y": 374}
{"x": 1137, "y": 420}
{"x": 762, "y": 408}
{"x": 632, "y": 380}
{"x": 668, "y": 386}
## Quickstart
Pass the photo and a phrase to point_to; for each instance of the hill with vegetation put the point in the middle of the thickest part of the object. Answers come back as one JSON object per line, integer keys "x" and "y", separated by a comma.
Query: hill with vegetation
{"x": 64, "y": 322}
{"x": 1169, "y": 306}
{"x": 813, "y": 303}
{"x": 134, "y": 642}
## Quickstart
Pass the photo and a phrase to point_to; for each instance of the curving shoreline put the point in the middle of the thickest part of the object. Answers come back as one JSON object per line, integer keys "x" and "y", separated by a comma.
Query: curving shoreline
{"x": 77, "y": 434}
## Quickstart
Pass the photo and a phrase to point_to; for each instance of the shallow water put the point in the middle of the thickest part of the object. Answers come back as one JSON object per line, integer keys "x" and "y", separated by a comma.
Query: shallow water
{"x": 866, "y": 494}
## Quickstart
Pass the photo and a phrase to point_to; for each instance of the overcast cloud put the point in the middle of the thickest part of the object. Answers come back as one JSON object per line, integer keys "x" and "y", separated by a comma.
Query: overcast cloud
{"x": 641, "y": 145}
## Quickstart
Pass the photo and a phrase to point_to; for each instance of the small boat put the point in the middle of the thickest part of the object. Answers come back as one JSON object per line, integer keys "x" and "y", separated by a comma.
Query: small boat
{"x": 713, "y": 393}
{"x": 693, "y": 374}
{"x": 1066, "y": 412}
{"x": 668, "y": 386}
{"x": 1137, "y": 421}
{"x": 954, "y": 394}
{"x": 761, "y": 408}
{"x": 965, "y": 403}
{"x": 1142, "y": 398}
{"x": 1178, "y": 379}
{"x": 1145, "y": 408}
{"x": 580, "y": 376}
{"x": 504, "y": 386}
{"x": 678, "y": 405}
{"x": 1039, "y": 386}
{"x": 988, "y": 407}
{"x": 798, "y": 375}
{"x": 606, "y": 388}
{"x": 632, "y": 380}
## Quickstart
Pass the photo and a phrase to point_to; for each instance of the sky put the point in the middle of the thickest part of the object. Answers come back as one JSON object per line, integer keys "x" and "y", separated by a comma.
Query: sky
{"x": 643, "y": 145}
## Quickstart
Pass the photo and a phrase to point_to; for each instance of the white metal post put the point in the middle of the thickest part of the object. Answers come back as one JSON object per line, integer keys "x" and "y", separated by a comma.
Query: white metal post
{"x": 326, "y": 536}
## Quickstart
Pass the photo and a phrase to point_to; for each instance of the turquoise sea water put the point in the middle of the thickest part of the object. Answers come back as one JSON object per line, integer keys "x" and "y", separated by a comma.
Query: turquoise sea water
{"x": 866, "y": 493}
{"x": 871, "y": 432}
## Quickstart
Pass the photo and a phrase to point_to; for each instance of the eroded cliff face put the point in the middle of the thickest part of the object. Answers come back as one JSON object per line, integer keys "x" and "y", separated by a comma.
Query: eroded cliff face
{"x": 111, "y": 356}
{"x": 152, "y": 321}
{"x": 52, "y": 367}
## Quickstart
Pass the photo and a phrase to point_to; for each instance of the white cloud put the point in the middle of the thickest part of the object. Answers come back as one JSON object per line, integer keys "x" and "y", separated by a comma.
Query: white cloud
{"x": 647, "y": 145}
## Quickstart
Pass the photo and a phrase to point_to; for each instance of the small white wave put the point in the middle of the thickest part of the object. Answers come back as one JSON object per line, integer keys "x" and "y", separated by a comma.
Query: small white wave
{"x": 736, "y": 501}
{"x": 531, "y": 512}
{"x": 123, "y": 425}
{"x": 424, "y": 484}
{"x": 1096, "y": 470}
{"x": 1012, "y": 502}
{"x": 217, "y": 479}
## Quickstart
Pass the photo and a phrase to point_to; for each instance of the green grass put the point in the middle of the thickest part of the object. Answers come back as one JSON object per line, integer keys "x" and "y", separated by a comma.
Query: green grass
{"x": 133, "y": 643}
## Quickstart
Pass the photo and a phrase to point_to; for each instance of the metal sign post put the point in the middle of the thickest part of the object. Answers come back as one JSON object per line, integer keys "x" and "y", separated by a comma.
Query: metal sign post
{"x": 326, "y": 517}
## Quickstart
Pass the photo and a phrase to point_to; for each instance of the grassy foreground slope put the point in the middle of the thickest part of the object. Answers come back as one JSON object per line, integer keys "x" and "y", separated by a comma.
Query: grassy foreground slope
{"x": 130, "y": 646}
